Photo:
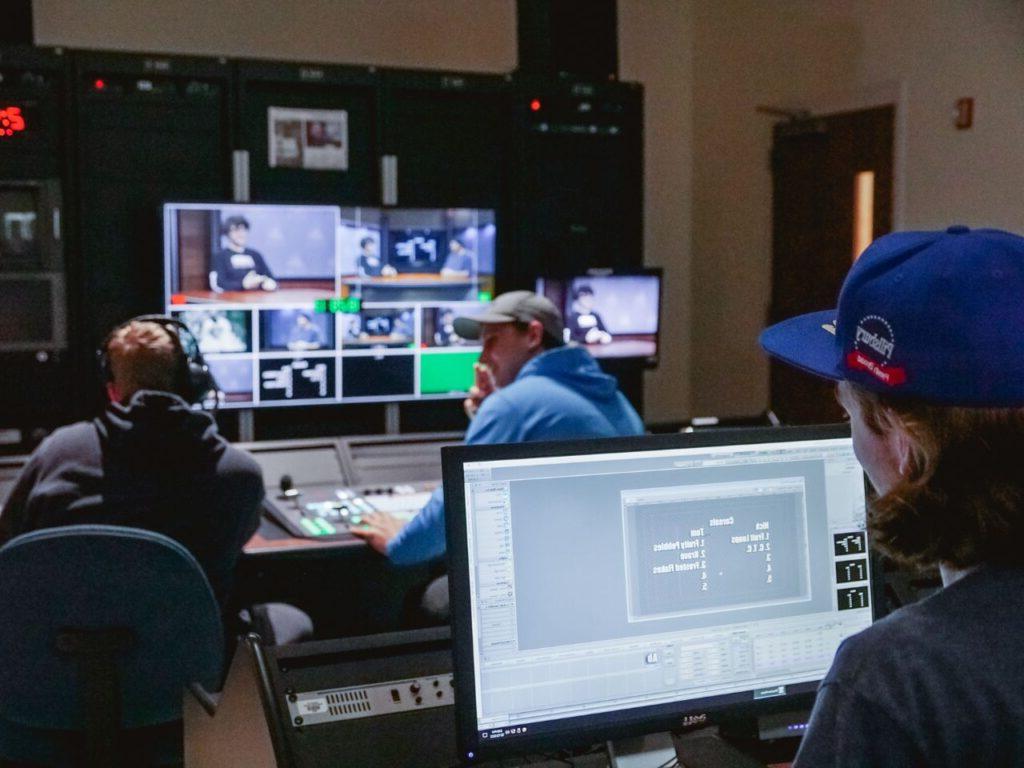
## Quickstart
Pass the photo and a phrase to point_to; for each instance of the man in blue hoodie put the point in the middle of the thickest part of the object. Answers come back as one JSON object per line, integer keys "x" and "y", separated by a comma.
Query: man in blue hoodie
{"x": 530, "y": 386}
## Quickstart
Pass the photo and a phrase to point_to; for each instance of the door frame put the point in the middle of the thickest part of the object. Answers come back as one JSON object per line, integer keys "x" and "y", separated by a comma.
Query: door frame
{"x": 894, "y": 92}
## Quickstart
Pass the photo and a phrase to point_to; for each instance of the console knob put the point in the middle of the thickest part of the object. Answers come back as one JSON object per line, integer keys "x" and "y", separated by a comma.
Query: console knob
{"x": 288, "y": 489}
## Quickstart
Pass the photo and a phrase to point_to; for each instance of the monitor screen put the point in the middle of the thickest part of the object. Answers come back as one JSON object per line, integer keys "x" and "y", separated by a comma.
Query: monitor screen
{"x": 615, "y": 315}
{"x": 318, "y": 304}
{"x": 609, "y": 587}
{"x": 32, "y": 312}
{"x": 19, "y": 229}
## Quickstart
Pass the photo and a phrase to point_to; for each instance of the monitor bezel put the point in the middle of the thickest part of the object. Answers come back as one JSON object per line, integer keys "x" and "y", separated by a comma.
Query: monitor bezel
{"x": 586, "y": 730}
{"x": 168, "y": 307}
{"x": 647, "y": 361}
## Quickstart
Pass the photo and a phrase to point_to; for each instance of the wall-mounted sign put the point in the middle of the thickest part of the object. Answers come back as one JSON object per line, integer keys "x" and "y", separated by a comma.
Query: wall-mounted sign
{"x": 314, "y": 139}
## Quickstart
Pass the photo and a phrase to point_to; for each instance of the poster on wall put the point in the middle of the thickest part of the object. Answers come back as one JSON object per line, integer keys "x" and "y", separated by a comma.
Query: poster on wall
{"x": 314, "y": 139}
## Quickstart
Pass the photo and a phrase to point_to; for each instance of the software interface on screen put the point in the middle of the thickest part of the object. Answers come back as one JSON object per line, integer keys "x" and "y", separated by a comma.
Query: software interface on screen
{"x": 612, "y": 315}
{"x": 307, "y": 304}
{"x": 601, "y": 583}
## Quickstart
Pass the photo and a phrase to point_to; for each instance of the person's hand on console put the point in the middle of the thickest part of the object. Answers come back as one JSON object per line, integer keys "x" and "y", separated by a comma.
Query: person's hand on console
{"x": 388, "y": 271}
{"x": 378, "y": 529}
{"x": 252, "y": 280}
{"x": 483, "y": 385}
{"x": 268, "y": 284}
{"x": 597, "y": 336}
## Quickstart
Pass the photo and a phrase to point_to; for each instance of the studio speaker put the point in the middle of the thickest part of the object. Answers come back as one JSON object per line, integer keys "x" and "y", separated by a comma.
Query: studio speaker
{"x": 577, "y": 38}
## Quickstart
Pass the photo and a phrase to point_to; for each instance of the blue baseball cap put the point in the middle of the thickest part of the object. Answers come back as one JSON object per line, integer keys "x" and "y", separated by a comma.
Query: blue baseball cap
{"x": 936, "y": 316}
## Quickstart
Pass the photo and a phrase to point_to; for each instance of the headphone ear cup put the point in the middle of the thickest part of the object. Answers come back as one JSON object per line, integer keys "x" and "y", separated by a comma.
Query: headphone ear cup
{"x": 103, "y": 364}
{"x": 200, "y": 380}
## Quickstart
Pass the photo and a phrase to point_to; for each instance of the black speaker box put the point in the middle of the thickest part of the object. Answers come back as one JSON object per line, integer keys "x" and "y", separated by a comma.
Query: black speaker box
{"x": 16, "y": 28}
{"x": 575, "y": 37}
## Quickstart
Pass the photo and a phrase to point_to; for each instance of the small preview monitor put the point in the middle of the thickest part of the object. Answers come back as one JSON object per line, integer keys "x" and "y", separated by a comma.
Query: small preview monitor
{"x": 607, "y": 588}
{"x": 33, "y": 300}
{"x": 250, "y": 254}
{"x": 315, "y": 304}
{"x": 402, "y": 254}
{"x": 613, "y": 314}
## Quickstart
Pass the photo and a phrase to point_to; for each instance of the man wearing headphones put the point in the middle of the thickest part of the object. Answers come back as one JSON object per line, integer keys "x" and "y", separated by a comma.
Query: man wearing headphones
{"x": 149, "y": 460}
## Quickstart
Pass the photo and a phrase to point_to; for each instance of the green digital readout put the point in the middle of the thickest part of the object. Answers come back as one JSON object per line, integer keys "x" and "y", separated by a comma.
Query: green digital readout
{"x": 347, "y": 306}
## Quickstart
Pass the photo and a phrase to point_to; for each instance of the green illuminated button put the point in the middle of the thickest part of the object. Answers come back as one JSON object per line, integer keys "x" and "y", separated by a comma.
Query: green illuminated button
{"x": 326, "y": 529}
{"x": 320, "y": 305}
{"x": 351, "y": 305}
{"x": 484, "y": 296}
{"x": 311, "y": 527}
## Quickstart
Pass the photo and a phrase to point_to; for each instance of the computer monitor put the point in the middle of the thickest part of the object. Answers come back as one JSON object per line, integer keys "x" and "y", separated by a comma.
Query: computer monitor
{"x": 615, "y": 314}
{"x": 318, "y": 304}
{"x": 608, "y": 588}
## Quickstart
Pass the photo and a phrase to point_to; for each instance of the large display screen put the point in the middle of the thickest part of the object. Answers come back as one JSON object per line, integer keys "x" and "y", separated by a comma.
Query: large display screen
{"x": 615, "y": 315}
{"x": 316, "y": 304}
{"x": 625, "y": 584}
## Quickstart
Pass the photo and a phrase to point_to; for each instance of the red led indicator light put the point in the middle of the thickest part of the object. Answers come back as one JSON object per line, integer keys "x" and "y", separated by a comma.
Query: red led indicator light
{"x": 99, "y": 84}
{"x": 535, "y": 105}
{"x": 11, "y": 121}
{"x": 179, "y": 298}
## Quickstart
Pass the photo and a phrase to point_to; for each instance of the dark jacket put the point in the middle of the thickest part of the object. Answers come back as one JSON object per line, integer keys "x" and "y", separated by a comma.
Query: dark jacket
{"x": 937, "y": 683}
{"x": 153, "y": 464}
{"x": 231, "y": 267}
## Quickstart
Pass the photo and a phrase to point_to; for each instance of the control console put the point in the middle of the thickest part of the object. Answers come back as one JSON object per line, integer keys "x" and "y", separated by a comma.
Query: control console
{"x": 319, "y": 511}
{"x": 318, "y": 488}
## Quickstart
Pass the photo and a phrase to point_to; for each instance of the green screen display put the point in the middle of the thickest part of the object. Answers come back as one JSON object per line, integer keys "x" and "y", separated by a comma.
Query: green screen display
{"x": 442, "y": 372}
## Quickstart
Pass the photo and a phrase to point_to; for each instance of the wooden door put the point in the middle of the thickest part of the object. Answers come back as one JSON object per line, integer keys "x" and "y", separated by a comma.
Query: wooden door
{"x": 815, "y": 167}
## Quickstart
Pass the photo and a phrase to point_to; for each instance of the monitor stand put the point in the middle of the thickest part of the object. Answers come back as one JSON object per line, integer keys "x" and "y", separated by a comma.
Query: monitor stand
{"x": 651, "y": 751}
{"x": 246, "y": 426}
{"x": 392, "y": 419}
{"x": 698, "y": 749}
{"x": 705, "y": 748}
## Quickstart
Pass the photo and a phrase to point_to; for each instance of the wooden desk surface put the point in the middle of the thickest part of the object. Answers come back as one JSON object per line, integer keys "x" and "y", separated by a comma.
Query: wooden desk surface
{"x": 280, "y": 296}
{"x": 405, "y": 279}
{"x": 272, "y": 539}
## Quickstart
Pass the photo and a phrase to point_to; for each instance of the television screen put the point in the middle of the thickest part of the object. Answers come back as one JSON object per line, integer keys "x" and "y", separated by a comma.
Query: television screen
{"x": 313, "y": 304}
{"x": 615, "y": 315}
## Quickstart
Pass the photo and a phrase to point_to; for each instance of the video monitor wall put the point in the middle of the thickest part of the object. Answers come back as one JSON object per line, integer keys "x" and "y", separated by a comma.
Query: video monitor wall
{"x": 314, "y": 304}
{"x": 614, "y": 315}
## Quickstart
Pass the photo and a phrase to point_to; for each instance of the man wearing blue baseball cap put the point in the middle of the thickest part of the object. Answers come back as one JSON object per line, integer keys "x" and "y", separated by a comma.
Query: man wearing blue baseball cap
{"x": 927, "y": 347}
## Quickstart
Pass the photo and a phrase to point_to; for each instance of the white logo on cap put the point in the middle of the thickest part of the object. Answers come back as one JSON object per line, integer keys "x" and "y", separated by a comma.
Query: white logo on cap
{"x": 875, "y": 341}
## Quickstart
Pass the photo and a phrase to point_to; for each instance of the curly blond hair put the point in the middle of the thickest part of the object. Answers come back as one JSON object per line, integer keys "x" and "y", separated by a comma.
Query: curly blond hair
{"x": 143, "y": 355}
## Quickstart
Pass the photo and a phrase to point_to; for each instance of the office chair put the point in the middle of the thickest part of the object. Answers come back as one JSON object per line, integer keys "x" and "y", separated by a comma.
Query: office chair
{"x": 101, "y": 628}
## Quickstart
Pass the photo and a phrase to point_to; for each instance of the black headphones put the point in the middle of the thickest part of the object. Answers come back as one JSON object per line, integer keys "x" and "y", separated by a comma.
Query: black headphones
{"x": 193, "y": 380}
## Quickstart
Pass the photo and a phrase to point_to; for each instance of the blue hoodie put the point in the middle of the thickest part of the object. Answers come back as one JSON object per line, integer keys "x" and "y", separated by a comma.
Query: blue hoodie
{"x": 561, "y": 394}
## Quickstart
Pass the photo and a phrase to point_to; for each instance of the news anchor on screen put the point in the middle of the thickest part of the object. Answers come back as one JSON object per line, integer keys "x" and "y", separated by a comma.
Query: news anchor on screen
{"x": 236, "y": 267}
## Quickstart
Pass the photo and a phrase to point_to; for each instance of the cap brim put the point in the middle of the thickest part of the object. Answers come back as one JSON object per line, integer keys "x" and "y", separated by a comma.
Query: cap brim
{"x": 469, "y": 327}
{"x": 806, "y": 343}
